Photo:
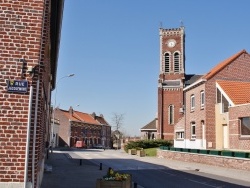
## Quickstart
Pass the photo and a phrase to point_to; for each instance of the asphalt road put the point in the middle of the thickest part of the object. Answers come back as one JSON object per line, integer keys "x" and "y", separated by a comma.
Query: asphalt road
{"x": 159, "y": 173}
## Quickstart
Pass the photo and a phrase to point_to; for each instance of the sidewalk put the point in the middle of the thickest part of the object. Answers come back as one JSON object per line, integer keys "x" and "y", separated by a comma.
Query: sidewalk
{"x": 67, "y": 172}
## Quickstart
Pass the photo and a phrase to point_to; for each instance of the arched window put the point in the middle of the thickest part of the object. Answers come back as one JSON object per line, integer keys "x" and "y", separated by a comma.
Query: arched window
{"x": 176, "y": 62}
{"x": 167, "y": 62}
{"x": 171, "y": 114}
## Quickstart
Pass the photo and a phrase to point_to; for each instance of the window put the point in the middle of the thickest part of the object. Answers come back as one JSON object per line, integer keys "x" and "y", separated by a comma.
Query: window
{"x": 202, "y": 99}
{"x": 245, "y": 126}
{"x": 218, "y": 95}
{"x": 193, "y": 134}
{"x": 225, "y": 104}
{"x": 176, "y": 62}
{"x": 167, "y": 63}
{"x": 192, "y": 102}
{"x": 171, "y": 114}
{"x": 179, "y": 135}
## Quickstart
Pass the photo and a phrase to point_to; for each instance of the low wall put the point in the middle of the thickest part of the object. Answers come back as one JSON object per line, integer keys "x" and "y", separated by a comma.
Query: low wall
{"x": 221, "y": 161}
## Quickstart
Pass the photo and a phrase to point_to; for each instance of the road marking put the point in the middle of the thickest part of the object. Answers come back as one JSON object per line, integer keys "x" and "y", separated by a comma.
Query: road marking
{"x": 199, "y": 182}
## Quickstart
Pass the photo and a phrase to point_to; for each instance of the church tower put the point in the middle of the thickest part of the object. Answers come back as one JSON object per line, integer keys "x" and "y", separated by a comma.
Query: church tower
{"x": 171, "y": 81}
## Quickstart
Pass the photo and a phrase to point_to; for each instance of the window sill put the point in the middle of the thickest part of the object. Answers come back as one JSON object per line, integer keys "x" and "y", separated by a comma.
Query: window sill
{"x": 179, "y": 139}
{"x": 244, "y": 137}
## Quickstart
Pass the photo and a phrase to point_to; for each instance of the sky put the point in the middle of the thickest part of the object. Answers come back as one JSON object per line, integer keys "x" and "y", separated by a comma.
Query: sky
{"x": 112, "y": 47}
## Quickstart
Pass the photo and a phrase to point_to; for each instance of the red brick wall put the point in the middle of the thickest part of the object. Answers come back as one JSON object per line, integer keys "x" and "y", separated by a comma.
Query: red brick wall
{"x": 236, "y": 141}
{"x": 23, "y": 35}
{"x": 64, "y": 127}
{"x": 227, "y": 162}
{"x": 237, "y": 70}
{"x": 170, "y": 96}
{"x": 197, "y": 115}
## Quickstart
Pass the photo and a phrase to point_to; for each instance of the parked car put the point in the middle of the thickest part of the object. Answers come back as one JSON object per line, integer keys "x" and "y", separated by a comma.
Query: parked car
{"x": 98, "y": 146}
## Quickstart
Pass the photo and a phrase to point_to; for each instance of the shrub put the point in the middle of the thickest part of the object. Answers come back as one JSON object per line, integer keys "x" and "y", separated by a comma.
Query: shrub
{"x": 147, "y": 144}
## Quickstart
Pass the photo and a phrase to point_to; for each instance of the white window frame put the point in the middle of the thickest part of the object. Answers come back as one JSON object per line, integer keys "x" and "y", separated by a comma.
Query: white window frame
{"x": 171, "y": 113}
{"x": 192, "y": 102}
{"x": 179, "y": 135}
{"x": 242, "y": 135}
{"x": 202, "y": 99}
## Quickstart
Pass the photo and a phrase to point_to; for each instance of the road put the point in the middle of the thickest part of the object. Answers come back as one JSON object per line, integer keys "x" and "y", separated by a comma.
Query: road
{"x": 152, "y": 172}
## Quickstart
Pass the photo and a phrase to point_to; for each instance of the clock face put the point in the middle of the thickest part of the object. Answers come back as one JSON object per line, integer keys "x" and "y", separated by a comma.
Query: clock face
{"x": 171, "y": 43}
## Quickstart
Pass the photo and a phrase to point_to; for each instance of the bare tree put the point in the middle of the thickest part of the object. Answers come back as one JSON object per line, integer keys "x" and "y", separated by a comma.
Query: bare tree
{"x": 117, "y": 122}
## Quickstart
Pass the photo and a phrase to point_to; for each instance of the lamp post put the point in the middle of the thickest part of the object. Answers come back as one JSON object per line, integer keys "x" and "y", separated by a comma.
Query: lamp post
{"x": 54, "y": 106}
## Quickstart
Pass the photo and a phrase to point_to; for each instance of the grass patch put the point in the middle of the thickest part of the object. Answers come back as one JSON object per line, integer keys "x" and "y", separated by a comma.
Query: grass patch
{"x": 150, "y": 152}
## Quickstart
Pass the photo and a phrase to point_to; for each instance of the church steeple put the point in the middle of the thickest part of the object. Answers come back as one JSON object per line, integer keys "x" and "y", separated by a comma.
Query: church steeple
{"x": 171, "y": 80}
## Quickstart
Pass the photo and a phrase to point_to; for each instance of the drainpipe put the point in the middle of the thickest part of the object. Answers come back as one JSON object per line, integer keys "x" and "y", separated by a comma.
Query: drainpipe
{"x": 34, "y": 134}
{"x": 28, "y": 138}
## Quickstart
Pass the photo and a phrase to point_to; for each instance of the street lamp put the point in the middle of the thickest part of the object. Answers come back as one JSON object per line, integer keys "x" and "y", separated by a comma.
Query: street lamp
{"x": 54, "y": 106}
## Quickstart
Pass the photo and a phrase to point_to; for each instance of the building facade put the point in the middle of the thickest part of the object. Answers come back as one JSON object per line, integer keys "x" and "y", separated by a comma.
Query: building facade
{"x": 91, "y": 130}
{"x": 29, "y": 44}
{"x": 207, "y": 121}
{"x": 187, "y": 111}
{"x": 171, "y": 80}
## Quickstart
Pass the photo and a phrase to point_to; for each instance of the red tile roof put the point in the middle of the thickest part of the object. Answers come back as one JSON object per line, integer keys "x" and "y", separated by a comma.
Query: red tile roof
{"x": 238, "y": 92}
{"x": 81, "y": 117}
{"x": 222, "y": 65}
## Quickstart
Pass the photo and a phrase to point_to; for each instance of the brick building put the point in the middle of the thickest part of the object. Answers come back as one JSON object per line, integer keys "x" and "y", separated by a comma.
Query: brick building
{"x": 29, "y": 44}
{"x": 207, "y": 119}
{"x": 76, "y": 126}
{"x": 187, "y": 110}
{"x": 232, "y": 115}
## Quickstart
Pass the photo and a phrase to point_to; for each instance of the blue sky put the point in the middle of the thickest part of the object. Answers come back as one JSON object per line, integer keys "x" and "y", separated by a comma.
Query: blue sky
{"x": 112, "y": 47}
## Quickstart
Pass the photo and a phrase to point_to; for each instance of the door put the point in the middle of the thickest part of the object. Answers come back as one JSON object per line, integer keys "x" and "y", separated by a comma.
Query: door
{"x": 203, "y": 144}
{"x": 225, "y": 136}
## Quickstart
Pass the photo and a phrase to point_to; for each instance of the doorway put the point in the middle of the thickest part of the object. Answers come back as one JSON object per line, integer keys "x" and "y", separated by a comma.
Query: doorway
{"x": 225, "y": 136}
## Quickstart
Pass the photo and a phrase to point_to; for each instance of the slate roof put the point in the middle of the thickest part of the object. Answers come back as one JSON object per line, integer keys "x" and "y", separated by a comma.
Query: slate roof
{"x": 150, "y": 126}
{"x": 238, "y": 92}
{"x": 191, "y": 78}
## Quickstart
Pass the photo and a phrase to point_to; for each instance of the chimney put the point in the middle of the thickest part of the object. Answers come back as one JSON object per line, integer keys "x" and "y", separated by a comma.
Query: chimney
{"x": 93, "y": 115}
{"x": 71, "y": 111}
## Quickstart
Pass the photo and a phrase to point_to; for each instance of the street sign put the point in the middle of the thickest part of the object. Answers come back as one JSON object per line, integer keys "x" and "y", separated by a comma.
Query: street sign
{"x": 17, "y": 86}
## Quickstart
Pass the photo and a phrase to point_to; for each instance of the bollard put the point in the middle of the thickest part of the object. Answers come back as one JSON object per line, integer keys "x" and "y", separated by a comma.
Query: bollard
{"x": 80, "y": 162}
{"x": 135, "y": 185}
{"x": 100, "y": 166}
